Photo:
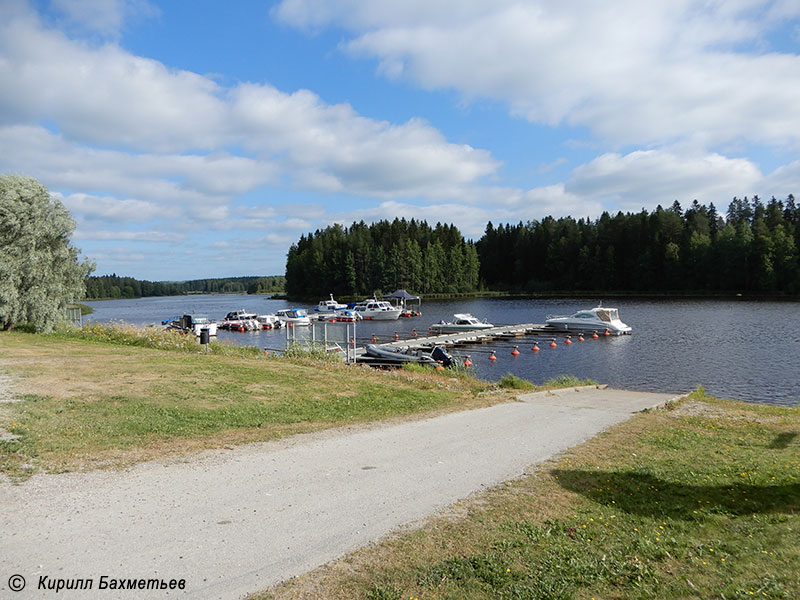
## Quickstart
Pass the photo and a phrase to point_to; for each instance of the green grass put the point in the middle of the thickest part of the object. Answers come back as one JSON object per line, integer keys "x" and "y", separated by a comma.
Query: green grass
{"x": 565, "y": 381}
{"x": 510, "y": 381}
{"x": 113, "y": 396}
{"x": 700, "y": 501}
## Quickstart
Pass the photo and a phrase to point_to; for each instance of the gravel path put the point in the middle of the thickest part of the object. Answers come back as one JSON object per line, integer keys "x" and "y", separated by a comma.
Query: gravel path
{"x": 232, "y": 522}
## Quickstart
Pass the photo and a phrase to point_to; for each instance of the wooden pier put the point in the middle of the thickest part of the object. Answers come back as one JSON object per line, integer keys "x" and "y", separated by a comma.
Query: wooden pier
{"x": 480, "y": 336}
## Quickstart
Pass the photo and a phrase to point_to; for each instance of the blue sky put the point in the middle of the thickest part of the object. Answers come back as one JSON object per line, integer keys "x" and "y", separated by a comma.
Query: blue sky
{"x": 200, "y": 139}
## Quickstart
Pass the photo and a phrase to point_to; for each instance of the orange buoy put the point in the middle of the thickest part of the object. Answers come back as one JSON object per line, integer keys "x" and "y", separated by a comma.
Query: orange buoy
{"x": 241, "y": 328}
{"x": 580, "y": 338}
{"x": 606, "y": 332}
{"x": 467, "y": 362}
{"x": 515, "y": 352}
{"x": 396, "y": 337}
{"x": 535, "y": 346}
{"x": 568, "y": 340}
{"x": 413, "y": 333}
{"x": 595, "y": 336}
{"x": 492, "y": 356}
{"x": 373, "y": 339}
{"x": 553, "y": 343}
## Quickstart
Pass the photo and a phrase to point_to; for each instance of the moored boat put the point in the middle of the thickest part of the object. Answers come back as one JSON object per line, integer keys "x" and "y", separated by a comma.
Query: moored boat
{"x": 377, "y": 310}
{"x": 193, "y": 324}
{"x": 460, "y": 322}
{"x": 395, "y": 355}
{"x": 594, "y": 319}
{"x": 293, "y": 316}
{"x": 269, "y": 321}
{"x": 240, "y": 320}
{"x": 327, "y": 306}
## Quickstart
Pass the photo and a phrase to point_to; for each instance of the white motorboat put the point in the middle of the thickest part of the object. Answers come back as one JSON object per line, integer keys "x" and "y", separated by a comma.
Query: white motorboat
{"x": 594, "y": 319}
{"x": 377, "y": 310}
{"x": 192, "y": 324}
{"x": 460, "y": 322}
{"x": 329, "y": 306}
{"x": 293, "y": 316}
{"x": 241, "y": 320}
{"x": 269, "y": 321}
{"x": 201, "y": 322}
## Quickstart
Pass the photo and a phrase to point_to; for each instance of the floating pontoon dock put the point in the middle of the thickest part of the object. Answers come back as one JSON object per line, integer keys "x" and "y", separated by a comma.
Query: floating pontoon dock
{"x": 480, "y": 336}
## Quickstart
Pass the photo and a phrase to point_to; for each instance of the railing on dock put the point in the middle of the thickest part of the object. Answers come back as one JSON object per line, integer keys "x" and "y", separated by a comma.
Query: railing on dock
{"x": 333, "y": 336}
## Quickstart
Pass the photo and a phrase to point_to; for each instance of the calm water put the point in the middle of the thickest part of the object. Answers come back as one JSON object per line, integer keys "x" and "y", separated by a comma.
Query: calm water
{"x": 735, "y": 349}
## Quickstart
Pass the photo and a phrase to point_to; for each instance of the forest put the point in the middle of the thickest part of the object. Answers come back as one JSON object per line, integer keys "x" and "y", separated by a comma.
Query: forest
{"x": 383, "y": 256}
{"x": 114, "y": 286}
{"x": 753, "y": 247}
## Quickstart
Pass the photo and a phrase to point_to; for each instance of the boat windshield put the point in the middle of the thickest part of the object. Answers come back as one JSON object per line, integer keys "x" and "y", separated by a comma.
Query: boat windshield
{"x": 604, "y": 315}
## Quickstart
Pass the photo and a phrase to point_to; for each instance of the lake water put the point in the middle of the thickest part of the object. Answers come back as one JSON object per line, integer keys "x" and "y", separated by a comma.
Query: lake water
{"x": 735, "y": 349}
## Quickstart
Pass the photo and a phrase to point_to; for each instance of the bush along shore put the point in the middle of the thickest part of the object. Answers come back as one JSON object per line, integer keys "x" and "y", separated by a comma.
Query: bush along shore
{"x": 110, "y": 395}
{"x": 697, "y": 500}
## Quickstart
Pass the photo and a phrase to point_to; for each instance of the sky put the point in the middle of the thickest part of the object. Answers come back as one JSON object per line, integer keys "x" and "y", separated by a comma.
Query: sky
{"x": 201, "y": 139}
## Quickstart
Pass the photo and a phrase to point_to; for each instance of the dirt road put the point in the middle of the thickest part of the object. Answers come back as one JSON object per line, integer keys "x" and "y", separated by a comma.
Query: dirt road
{"x": 231, "y": 522}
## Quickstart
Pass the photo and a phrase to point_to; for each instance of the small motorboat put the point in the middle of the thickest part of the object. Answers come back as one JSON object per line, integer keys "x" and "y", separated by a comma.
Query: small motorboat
{"x": 395, "y": 355}
{"x": 293, "y": 316}
{"x": 347, "y": 316}
{"x": 460, "y": 322}
{"x": 194, "y": 324}
{"x": 328, "y": 306}
{"x": 377, "y": 310}
{"x": 269, "y": 321}
{"x": 594, "y": 319}
{"x": 241, "y": 320}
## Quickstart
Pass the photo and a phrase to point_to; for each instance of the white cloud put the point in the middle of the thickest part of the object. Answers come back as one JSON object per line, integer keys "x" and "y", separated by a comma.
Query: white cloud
{"x": 331, "y": 148}
{"x": 109, "y": 98}
{"x": 106, "y": 17}
{"x": 135, "y": 236}
{"x": 646, "y": 178}
{"x": 631, "y": 71}
{"x": 111, "y": 209}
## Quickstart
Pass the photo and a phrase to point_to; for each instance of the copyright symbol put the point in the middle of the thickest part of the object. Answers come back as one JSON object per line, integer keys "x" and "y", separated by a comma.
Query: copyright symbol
{"x": 16, "y": 583}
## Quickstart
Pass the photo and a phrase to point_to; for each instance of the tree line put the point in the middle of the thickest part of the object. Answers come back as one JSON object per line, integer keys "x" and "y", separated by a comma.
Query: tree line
{"x": 754, "y": 247}
{"x": 381, "y": 257}
{"x": 114, "y": 286}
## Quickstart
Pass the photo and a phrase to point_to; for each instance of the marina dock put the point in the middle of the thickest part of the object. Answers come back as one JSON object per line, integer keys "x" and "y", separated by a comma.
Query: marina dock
{"x": 458, "y": 339}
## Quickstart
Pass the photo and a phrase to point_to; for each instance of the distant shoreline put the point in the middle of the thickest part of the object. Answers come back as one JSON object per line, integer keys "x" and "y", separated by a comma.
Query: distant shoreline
{"x": 500, "y": 295}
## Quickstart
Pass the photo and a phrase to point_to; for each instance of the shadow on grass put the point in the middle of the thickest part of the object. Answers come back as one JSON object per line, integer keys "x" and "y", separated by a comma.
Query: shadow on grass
{"x": 782, "y": 440}
{"x": 646, "y": 495}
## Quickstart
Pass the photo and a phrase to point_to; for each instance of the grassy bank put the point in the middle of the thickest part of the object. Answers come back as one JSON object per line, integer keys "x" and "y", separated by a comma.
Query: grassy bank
{"x": 114, "y": 395}
{"x": 698, "y": 501}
